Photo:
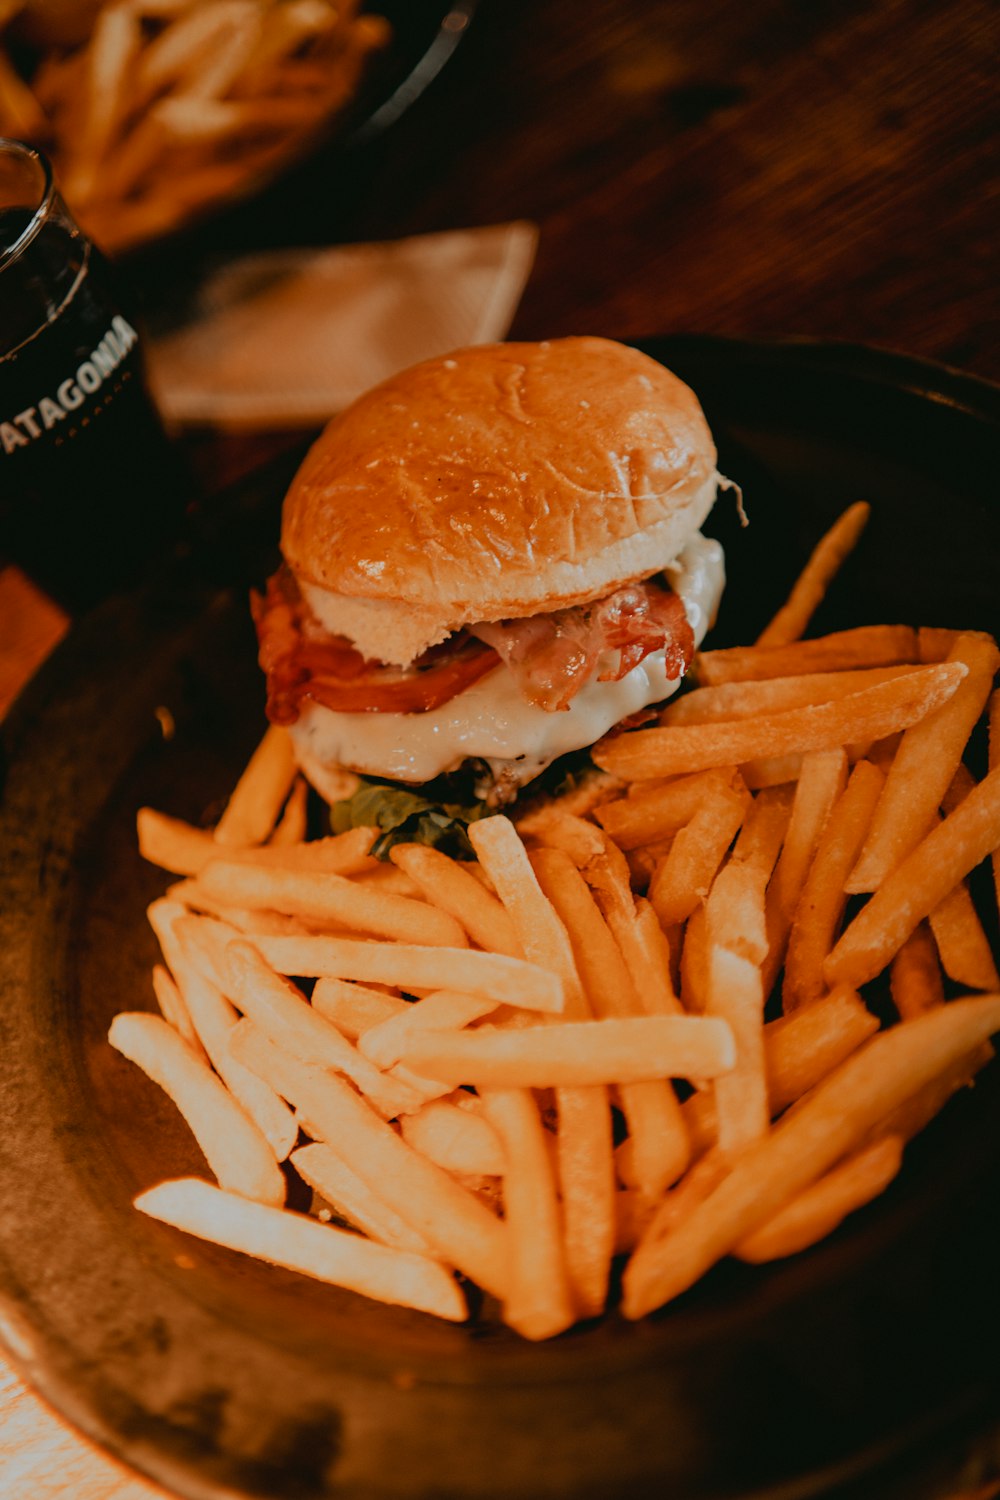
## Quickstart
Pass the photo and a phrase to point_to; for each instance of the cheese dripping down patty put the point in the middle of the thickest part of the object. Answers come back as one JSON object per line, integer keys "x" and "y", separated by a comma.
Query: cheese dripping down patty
{"x": 490, "y": 721}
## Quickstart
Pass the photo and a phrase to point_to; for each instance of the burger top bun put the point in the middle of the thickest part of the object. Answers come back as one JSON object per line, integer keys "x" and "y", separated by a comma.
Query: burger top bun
{"x": 496, "y": 482}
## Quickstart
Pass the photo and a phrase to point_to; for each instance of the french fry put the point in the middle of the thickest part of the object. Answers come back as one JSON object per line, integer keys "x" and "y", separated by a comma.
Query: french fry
{"x": 168, "y": 998}
{"x": 259, "y": 795}
{"x": 763, "y": 831}
{"x": 509, "y": 981}
{"x": 163, "y": 915}
{"x": 915, "y": 981}
{"x": 213, "y": 1019}
{"x": 462, "y": 1231}
{"x": 457, "y": 1139}
{"x": 441, "y": 1010}
{"x": 172, "y": 844}
{"x": 868, "y": 714}
{"x": 587, "y": 1189}
{"x": 993, "y": 717}
{"x": 810, "y": 588}
{"x": 821, "y": 905}
{"x": 819, "y": 1209}
{"x": 354, "y": 1008}
{"x": 918, "y": 885}
{"x": 290, "y": 830}
{"x": 962, "y": 944}
{"x": 737, "y": 945}
{"x": 538, "y": 930}
{"x": 579, "y": 1052}
{"x": 659, "y": 1147}
{"x": 822, "y": 782}
{"x": 301, "y": 1244}
{"x": 767, "y": 695}
{"x": 538, "y": 1302}
{"x": 447, "y": 885}
{"x": 658, "y": 811}
{"x": 234, "y": 1148}
{"x": 824, "y": 1128}
{"x": 354, "y": 1200}
{"x": 799, "y": 1051}
{"x": 683, "y": 878}
{"x": 843, "y": 651}
{"x": 645, "y": 948}
{"x": 694, "y": 963}
{"x": 283, "y": 1014}
{"x": 923, "y": 767}
{"x": 332, "y": 900}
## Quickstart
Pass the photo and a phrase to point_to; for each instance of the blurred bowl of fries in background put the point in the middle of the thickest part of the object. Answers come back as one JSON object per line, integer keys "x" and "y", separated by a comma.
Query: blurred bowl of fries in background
{"x": 159, "y": 113}
{"x": 864, "y": 1365}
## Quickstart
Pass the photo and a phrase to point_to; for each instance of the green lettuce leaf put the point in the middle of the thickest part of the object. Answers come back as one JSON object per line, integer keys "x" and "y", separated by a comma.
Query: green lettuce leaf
{"x": 405, "y": 817}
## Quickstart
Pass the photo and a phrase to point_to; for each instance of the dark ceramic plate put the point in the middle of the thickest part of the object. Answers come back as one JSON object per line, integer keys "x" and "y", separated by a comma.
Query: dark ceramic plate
{"x": 865, "y": 1367}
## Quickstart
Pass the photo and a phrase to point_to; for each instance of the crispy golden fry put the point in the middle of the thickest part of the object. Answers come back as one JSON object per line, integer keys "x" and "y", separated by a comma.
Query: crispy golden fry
{"x": 255, "y": 805}
{"x": 283, "y": 1014}
{"x": 746, "y": 699}
{"x": 447, "y": 884}
{"x": 172, "y": 844}
{"x": 538, "y": 1302}
{"x": 353, "y": 1199}
{"x": 291, "y": 827}
{"x": 826, "y": 560}
{"x": 168, "y": 998}
{"x": 332, "y": 901}
{"x": 823, "y": 779}
{"x": 845, "y": 650}
{"x": 586, "y": 1171}
{"x": 683, "y": 878}
{"x": 915, "y": 980}
{"x": 658, "y": 811}
{"x": 994, "y": 762}
{"x": 924, "y": 765}
{"x": 819, "y": 1209}
{"x": 799, "y": 1050}
{"x": 163, "y": 916}
{"x": 354, "y": 1008}
{"x": 232, "y": 1145}
{"x": 301, "y": 1244}
{"x": 962, "y": 944}
{"x": 462, "y": 1231}
{"x": 737, "y": 945}
{"x": 444, "y": 1010}
{"x": 659, "y": 1148}
{"x": 824, "y": 1128}
{"x": 461, "y": 1140}
{"x": 918, "y": 885}
{"x": 764, "y": 829}
{"x": 822, "y": 903}
{"x": 509, "y": 981}
{"x": 645, "y": 948}
{"x": 213, "y": 1018}
{"x": 577, "y": 1053}
{"x": 868, "y": 714}
{"x": 538, "y": 930}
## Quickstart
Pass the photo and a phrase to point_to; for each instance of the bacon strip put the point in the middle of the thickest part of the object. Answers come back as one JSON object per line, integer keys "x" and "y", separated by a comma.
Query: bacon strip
{"x": 552, "y": 656}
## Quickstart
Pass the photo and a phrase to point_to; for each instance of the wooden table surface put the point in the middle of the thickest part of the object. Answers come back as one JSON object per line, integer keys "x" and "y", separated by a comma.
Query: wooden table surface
{"x": 774, "y": 168}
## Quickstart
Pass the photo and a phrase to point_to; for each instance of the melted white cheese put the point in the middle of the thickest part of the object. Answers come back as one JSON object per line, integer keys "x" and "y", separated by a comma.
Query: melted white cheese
{"x": 491, "y": 721}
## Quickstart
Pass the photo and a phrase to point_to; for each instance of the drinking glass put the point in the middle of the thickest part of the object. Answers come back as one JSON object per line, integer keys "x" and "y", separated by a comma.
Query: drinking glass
{"x": 90, "y": 487}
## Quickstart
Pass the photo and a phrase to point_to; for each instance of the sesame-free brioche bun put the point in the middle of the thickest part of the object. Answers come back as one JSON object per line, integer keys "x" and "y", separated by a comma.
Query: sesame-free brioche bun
{"x": 492, "y": 483}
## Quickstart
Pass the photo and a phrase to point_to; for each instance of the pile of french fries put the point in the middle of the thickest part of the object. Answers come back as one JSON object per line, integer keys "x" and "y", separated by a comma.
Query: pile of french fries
{"x": 634, "y": 1027}
{"x": 171, "y": 106}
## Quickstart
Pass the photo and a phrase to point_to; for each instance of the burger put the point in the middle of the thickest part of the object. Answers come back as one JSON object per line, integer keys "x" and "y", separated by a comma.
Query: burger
{"x": 490, "y": 561}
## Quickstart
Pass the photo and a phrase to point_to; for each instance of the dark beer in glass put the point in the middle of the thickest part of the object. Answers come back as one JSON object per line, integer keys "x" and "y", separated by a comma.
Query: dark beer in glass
{"x": 90, "y": 488}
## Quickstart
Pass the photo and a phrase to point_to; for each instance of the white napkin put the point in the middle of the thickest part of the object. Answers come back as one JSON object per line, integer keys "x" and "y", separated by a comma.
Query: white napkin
{"x": 289, "y": 337}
